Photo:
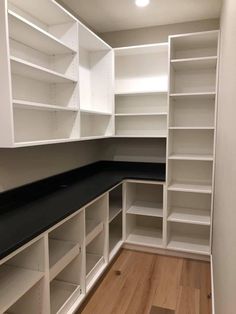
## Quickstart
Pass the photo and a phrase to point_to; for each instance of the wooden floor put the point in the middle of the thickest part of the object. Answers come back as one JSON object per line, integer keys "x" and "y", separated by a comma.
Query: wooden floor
{"x": 141, "y": 283}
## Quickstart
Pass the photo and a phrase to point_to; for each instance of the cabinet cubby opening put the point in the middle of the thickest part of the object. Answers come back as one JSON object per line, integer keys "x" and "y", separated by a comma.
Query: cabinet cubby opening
{"x": 192, "y": 113}
{"x": 31, "y": 302}
{"x": 115, "y": 232}
{"x": 65, "y": 243}
{"x": 115, "y": 202}
{"x": 189, "y": 208}
{"x": 190, "y": 175}
{"x": 95, "y": 125}
{"x": 194, "y": 45}
{"x": 56, "y": 125}
{"x": 144, "y": 230}
{"x": 153, "y": 126}
{"x": 20, "y": 273}
{"x": 155, "y": 103}
{"x": 189, "y": 238}
{"x": 141, "y": 69}
{"x": 95, "y": 217}
{"x": 65, "y": 289}
{"x": 144, "y": 199}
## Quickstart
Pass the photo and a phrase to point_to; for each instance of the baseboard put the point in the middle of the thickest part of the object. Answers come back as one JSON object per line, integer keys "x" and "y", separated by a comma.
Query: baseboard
{"x": 212, "y": 287}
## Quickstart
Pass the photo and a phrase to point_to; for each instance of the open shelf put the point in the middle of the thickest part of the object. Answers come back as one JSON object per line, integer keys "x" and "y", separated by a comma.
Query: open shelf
{"x": 93, "y": 125}
{"x": 22, "y": 104}
{"x": 144, "y": 199}
{"x": 65, "y": 244}
{"x": 93, "y": 228}
{"x": 115, "y": 202}
{"x": 143, "y": 230}
{"x": 155, "y": 126}
{"x": 194, "y": 63}
{"x": 115, "y": 234}
{"x": 191, "y": 157}
{"x": 189, "y": 215}
{"x": 141, "y": 69}
{"x": 20, "y": 273}
{"x": 189, "y": 238}
{"x": 193, "y": 96}
{"x": 190, "y": 187}
{"x": 65, "y": 289}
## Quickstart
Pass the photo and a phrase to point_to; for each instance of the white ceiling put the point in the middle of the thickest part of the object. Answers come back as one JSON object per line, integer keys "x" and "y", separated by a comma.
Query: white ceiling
{"x": 113, "y": 15}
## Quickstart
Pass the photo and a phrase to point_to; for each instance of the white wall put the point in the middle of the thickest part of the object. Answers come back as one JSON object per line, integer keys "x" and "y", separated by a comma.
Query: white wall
{"x": 224, "y": 237}
{"x": 156, "y": 34}
{"x": 24, "y": 165}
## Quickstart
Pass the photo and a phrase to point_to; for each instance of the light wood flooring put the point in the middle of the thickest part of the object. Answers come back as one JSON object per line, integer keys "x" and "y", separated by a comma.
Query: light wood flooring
{"x": 141, "y": 283}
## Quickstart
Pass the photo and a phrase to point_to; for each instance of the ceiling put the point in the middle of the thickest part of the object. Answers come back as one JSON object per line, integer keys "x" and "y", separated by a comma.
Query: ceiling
{"x": 115, "y": 15}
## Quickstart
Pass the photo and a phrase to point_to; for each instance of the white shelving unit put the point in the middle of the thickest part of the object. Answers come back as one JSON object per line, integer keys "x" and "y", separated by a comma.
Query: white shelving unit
{"x": 191, "y": 140}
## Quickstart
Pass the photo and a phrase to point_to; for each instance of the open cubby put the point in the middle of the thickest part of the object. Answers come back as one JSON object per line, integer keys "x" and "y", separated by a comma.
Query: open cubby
{"x": 95, "y": 257}
{"x": 141, "y": 126}
{"x": 195, "y": 45}
{"x": 95, "y": 125}
{"x": 134, "y": 104}
{"x": 65, "y": 243}
{"x": 115, "y": 232}
{"x": 43, "y": 125}
{"x": 195, "y": 112}
{"x": 115, "y": 202}
{"x": 192, "y": 208}
{"x": 141, "y": 69}
{"x": 95, "y": 217}
{"x": 65, "y": 289}
{"x": 192, "y": 144}
{"x": 145, "y": 199}
{"x": 190, "y": 175}
{"x": 96, "y": 72}
{"x": 21, "y": 273}
{"x": 189, "y": 238}
{"x": 144, "y": 230}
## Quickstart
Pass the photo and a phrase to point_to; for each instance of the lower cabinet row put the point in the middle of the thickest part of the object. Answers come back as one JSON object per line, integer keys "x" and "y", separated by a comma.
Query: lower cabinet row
{"x": 53, "y": 273}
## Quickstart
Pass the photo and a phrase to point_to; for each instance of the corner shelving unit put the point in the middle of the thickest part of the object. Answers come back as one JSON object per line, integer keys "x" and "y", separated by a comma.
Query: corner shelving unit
{"x": 141, "y": 78}
{"x": 191, "y": 140}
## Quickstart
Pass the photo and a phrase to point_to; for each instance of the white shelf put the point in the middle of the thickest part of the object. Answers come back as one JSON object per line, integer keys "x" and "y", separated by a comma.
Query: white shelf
{"x": 146, "y": 209}
{"x": 30, "y": 70}
{"x": 190, "y": 216}
{"x": 207, "y": 95}
{"x": 192, "y": 128}
{"x": 145, "y": 236}
{"x": 191, "y": 157}
{"x": 141, "y": 49}
{"x": 114, "y": 210}
{"x": 141, "y": 114}
{"x": 194, "y": 63}
{"x": 93, "y": 229}
{"x": 189, "y": 244}
{"x": 141, "y": 92}
{"x": 95, "y": 112}
{"x": 161, "y": 134}
{"x": 23, "y": 104}
{"x": 190, "y": 187}
{"x": 31, "y": 35}
{"x": 92, "y": 260}
{"x": 14, "y": 283}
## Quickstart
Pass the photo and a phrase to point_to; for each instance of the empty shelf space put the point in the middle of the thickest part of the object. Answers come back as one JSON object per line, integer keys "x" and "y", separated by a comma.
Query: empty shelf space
{"x": 14, "y": 283}
{"x": 93, "y": 229}
{"x": 206, "y": 157}
{"x": 146, "y": 209}
{"x": 142, "y": 93}
{"x": 31, "y": 35}
{"x": 95, "y": 112}
{"x": 189, "y": 244}
{"x": 145, "y": 236}
{"x": 192, "y": 128}
{"x": 22, "y": 104}
{"x": 115, "y": 202}
{"x": 190, "y": 187}
{"x": 30, "y": 70}
{"x": 141, "y": 114}
{"x": 92, "y": 260}
{"x": 115, "y": 233}
{"x": 205, "y": 95}
{"x": 194, "y": 63}
{"x": 114, "y": 210}
{"x": 159, "y": 134}
{"x": 189, "y": 215}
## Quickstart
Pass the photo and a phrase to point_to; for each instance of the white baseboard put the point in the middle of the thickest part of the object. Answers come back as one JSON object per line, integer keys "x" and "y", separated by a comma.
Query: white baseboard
{"x": 212, "y": 287}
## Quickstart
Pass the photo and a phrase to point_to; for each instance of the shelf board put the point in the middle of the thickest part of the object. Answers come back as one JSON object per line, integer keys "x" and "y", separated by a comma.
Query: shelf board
{"x": 141, "y": 92}
{"x": 204, "y": 95}
{"x": 22, "y": 104}
{"x": 28, "y": 69}
{"x": 94, "y": 137}
{"x": 115, "y": 208}
{"x": 93, "y": 229}
{"x": 195, "y": 63}
{"x": 31, "y": 35}
{"x": 191, "y": 187}
{"x": 145, "y": 236}
{"x": 162, "y": 134}
{"x": 14, "y": 283}
{"x": 191, "y": 157}
{"x": 189, "y": 244}
{"x": 95, "y": 112}
{"x": 115, "y": 249}
{"x": 115, "y": 237}
{"x": 146, "y": 209}
{"x": 192, "y": 128}
{"x": 141, "y": 49}
{"x": 61, "y": 253}
{"x": 91, "y": 261}
{"x": 141, "y": 114}
{"x": 60, "y": 293}
{"x": 190, "y": 216}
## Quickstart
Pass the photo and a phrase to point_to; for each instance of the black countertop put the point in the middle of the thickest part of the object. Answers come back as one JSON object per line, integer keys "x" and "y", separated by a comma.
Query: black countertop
{"x": 28, "y": 211}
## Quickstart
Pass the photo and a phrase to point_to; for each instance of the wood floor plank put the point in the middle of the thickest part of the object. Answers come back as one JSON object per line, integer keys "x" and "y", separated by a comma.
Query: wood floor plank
{"x": 188, "y": 301}
{"x": 159, "y": 310}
